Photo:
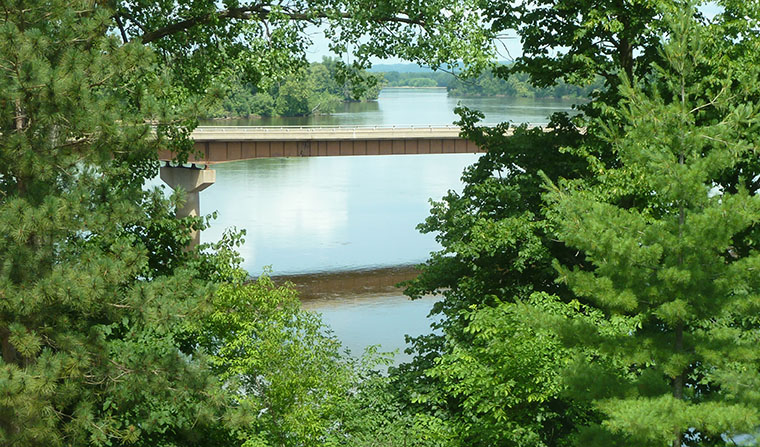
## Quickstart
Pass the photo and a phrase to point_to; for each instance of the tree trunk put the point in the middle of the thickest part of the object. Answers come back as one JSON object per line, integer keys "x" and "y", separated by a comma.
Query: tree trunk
{"x": 10, "y": 355}
{"x": 678, "y": 385}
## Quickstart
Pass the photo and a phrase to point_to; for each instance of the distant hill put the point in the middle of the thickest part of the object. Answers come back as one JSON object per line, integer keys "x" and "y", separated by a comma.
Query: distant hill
{"x": 400, "y": 68}
{"x": 407, "y": 68}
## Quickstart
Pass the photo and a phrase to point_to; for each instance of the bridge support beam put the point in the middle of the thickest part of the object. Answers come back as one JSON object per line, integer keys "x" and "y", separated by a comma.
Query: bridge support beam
{"x": 192, "y": 180}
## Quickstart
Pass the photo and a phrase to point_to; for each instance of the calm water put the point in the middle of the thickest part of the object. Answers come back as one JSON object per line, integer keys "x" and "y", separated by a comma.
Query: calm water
{"x": 412, "y": 106}
{"x": 375, "y": 319}
{"x": 325, "y": 215}
{"x": 331, "y": 213}
{"x": 365, "y": 307}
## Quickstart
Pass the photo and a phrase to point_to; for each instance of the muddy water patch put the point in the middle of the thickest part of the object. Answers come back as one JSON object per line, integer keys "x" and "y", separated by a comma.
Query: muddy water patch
{"x": 318, "y": 289}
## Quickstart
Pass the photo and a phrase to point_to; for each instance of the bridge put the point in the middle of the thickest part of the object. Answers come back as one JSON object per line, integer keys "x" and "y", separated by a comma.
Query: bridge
{"x": 219, "y": 144}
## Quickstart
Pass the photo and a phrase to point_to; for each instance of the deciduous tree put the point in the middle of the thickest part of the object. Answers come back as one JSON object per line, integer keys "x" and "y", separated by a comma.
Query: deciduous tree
{"x": 288, "y": 375}
{"x": 498, "y": 244}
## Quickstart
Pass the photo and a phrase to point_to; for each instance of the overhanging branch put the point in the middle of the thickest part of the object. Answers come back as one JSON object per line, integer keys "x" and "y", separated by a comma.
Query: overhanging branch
{"x": 250, "y": 12}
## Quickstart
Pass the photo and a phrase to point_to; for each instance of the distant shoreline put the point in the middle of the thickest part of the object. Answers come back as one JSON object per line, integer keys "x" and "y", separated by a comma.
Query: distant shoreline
{"x": 355, "y": 282}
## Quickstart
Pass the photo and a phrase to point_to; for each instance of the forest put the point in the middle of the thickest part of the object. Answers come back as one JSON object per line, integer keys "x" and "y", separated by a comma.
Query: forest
{"x": 320, "y": 88}
{"x": 489, "y": 84}
{"x": 317, "y": 89}
{"x": 598, "y": 278}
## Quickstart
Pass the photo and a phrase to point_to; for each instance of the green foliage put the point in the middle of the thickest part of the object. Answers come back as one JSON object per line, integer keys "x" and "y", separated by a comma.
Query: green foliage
{"x": 490, "y": 84}
{"x": 97, "y": 288}
{"x": 497, "y": 249}
{"x": 293, "y": 385}
{"x": 204, "y": 41}
{"x": 110, "y": 330}
{"x": 518, "y": 85}
{"x": 416, "y": 82}
{"x": 351, "y": 84}
{"x": 500, "y": 240}
{"x": 90, "y": 318}
{"x": 579, "y": 40}
{"x": 432, "y": 79}
{"x": 508, "y": 375}
{"x": 287, "y": 374}
{"x": 671, "y": 265}
{"x": 311, "y": 91}
{"x": 494, "y": 244}
{"x": 376, "y": 416}
{"x": 421, "y": 82}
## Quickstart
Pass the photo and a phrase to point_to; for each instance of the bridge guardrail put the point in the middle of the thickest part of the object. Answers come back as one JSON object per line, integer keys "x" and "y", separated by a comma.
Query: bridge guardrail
{"x": 323, "y": 128}
{"x": 316, "y": 128}
{"x": 283, "y": 133}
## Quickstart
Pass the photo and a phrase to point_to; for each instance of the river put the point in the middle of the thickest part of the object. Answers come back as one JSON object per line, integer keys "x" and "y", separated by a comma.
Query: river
{"x": 418, "y": 106}
{"x": 343, "y": 228}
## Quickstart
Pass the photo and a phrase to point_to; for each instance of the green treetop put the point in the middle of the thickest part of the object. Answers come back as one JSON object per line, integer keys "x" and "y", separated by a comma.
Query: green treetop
{"x": 202, "y": 39}
{"x": 577, "y": 39}
{"x": 96, "y": 287}
{"x": 90, "y": 322}
{"x": 499, "y": 245}
{"x": 674, "y": 272}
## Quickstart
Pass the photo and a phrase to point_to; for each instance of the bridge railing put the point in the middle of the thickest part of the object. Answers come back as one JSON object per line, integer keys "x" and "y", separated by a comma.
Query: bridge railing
{"x": 317, "y": 127}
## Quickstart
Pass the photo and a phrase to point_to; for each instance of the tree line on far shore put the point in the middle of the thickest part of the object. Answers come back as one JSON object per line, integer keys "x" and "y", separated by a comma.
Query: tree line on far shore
{"x": 320, "y": 88}
{"x": 316, "y": 89}
{"x": 516, "y": 85}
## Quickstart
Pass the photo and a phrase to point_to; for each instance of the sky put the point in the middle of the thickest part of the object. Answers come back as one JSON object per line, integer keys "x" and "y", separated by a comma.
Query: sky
{"x": 509, "y": 46}
{"x": 320, "y": 49}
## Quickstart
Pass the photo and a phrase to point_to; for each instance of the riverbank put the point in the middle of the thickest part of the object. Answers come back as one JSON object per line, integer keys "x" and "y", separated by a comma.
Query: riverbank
{"x": 364, "y": 307}
{"x": 330, "y": 285}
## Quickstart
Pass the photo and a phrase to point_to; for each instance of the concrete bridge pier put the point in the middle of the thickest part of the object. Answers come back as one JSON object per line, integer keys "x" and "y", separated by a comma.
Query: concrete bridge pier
{"x": 192, "y": 180}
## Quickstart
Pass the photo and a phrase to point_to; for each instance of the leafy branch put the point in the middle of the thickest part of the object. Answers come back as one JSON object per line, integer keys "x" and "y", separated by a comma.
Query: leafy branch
{"x": 255, "y": 12}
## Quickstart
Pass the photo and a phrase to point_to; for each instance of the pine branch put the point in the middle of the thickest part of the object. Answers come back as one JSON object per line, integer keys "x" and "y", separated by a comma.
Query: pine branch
{"x": 76, "y": 142}
{"x": 713, "y": 101}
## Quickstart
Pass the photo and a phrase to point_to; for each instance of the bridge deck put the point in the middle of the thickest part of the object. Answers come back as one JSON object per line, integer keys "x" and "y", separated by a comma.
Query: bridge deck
{"x": 289, "y": 133}
{"x": 219, "y": 144}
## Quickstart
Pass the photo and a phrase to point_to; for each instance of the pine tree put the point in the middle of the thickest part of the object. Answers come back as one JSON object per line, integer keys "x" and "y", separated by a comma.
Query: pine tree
{"x": 90, "y": 320}
{"x": 672, "y": 261}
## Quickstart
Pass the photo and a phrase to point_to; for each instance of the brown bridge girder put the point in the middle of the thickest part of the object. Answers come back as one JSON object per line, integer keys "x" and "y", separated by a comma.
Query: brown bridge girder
{"x": 219, "y": 145}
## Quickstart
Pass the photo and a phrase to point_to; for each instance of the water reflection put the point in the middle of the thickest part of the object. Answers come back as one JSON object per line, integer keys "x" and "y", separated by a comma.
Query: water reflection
{"x": 320, "y": 289}
{"x": 331, "y": 213}
{"x": 420, "y": 106}
{"x": 365, "y": 308}
{"x": 360, "y": 321}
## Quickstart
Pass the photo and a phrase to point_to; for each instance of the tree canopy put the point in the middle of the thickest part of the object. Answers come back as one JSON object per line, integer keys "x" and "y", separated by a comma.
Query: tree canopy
{"x": 262, "y": 39}
{"x": 90, "y": 323}
{"x": 597, "y": 279}
{"x": 97, "y": 287}
{"x": 314, "y": 90}
{"x": 502, "y": 238}
{"x": 677, "y": 294}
